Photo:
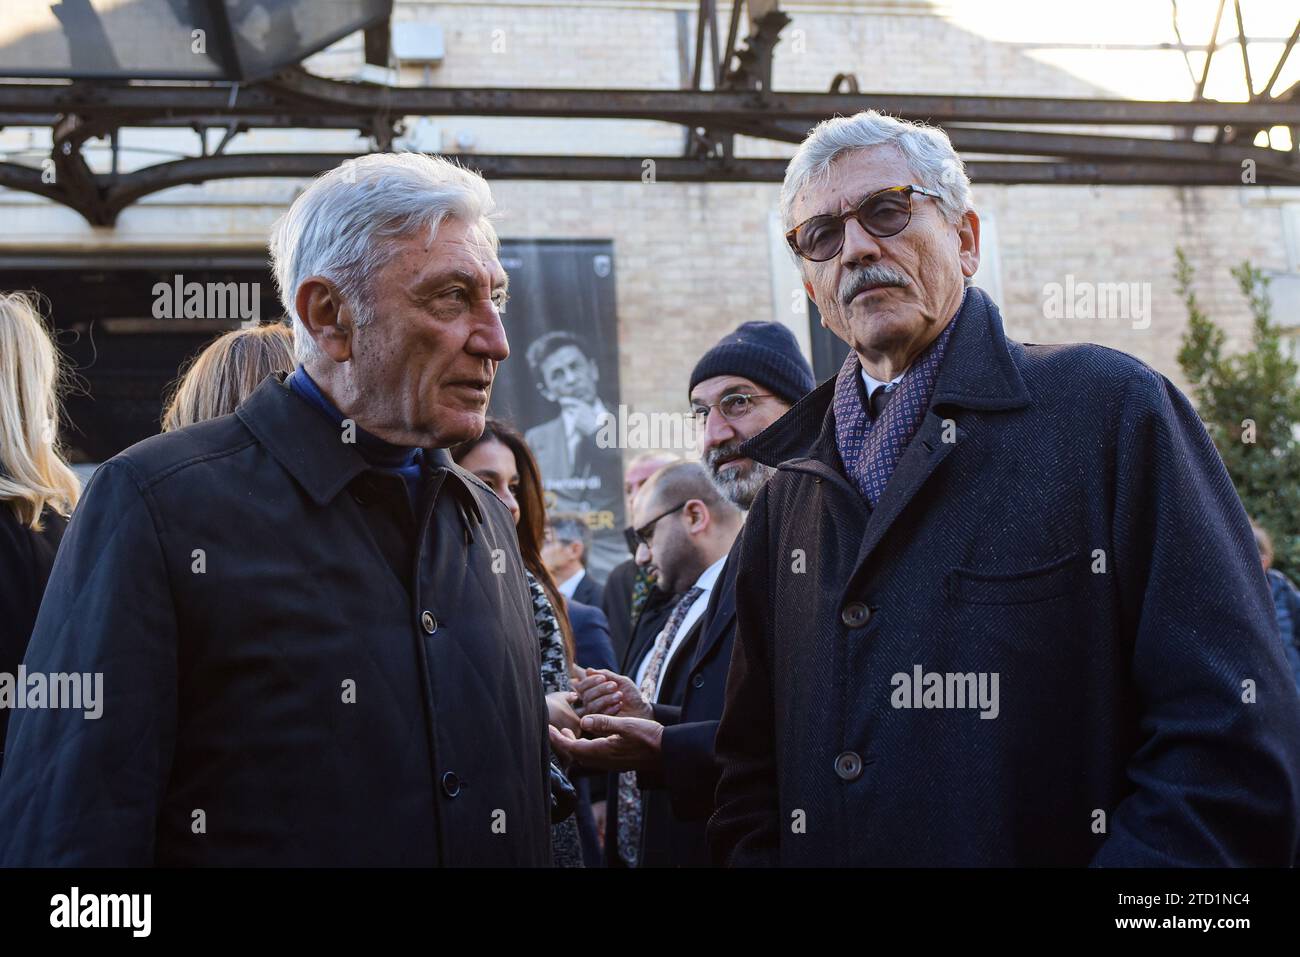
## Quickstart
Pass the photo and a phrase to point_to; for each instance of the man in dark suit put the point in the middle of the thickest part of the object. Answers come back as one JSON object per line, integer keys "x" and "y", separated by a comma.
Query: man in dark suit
{"x": 628, "y": 587}
{"x": 1006, "y": 609}
{"x": 564, "y": 553}
{"x": 651, "y": 614}
{"x": 580, "y": 470}
{"x": 686, "y": 529}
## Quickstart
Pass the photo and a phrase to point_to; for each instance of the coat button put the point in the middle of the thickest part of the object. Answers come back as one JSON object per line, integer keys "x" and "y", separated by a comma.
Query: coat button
{"x": 451, "y": 784}
{"x": 363, "y": 491}
{"x": 428, "y": 623}
{"x": 698, "y": 681}
{"x": 848, "y": 766}
{"x": 855, "y": 614}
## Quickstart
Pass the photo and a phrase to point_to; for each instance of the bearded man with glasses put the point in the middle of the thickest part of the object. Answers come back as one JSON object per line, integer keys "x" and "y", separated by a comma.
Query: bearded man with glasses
{"x": 958, "y": 511}
{"x": 738, "y": 388}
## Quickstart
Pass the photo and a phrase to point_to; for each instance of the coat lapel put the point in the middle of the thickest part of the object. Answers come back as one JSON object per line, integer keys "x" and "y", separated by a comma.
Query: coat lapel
{"x": 720, "y": 615}
{"x": 673, "y": 681}
{"x": 921, "y": 458}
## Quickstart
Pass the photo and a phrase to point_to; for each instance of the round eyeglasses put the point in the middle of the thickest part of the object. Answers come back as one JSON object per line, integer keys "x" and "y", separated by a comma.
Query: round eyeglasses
{"x": 734, "y": 405}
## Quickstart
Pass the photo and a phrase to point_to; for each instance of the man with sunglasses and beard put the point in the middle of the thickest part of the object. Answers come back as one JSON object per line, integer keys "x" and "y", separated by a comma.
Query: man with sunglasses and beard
{"x": 738, "y": 388}
{"x": 974, "y": 513}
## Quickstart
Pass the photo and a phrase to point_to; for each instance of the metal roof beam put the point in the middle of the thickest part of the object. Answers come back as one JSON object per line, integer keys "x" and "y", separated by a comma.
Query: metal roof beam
{"x": 296, "y": 92}
{"x": 113, "y": 194}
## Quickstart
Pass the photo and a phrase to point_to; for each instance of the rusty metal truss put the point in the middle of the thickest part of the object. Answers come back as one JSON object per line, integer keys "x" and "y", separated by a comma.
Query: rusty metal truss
{"x": 741, "y": 102}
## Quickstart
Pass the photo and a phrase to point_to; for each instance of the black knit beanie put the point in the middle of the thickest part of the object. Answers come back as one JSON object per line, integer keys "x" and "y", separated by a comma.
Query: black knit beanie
{"x": 766, "y": 353}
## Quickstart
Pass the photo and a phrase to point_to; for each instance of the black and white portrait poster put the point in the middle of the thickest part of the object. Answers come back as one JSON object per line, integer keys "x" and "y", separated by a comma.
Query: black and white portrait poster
{"x": 561, "y": 380}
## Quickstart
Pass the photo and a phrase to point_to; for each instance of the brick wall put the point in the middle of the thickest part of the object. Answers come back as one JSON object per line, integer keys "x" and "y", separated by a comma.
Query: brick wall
{"x": 693, "y": 261}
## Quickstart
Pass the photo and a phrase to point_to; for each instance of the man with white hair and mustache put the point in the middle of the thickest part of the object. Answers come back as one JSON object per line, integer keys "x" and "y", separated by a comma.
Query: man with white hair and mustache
{"x": 957, "y": 510}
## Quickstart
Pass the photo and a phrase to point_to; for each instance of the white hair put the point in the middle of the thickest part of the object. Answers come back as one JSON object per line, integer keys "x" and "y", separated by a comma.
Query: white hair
{"x": 341, "y": 225}
{"x": 927, "y": 150}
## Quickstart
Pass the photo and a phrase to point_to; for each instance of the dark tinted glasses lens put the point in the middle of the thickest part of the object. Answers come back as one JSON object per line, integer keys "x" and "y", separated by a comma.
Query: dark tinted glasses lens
{"x": 820, "y": 238}
{"x": 886, "y": 214}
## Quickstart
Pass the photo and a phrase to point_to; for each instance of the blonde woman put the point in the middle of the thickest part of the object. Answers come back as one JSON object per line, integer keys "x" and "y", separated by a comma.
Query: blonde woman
{"x": 37, "y": 488}
{"x": 226, "y": 372}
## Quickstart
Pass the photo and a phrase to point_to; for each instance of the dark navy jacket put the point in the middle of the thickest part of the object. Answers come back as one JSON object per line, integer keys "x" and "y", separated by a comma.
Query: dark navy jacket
{"x": 592, "y": 646}
{"x": 681, "y": 796}
{"x": 589, "y": 592}
{"x": 297, "y": 670}
{"x": 1078, "y": 537}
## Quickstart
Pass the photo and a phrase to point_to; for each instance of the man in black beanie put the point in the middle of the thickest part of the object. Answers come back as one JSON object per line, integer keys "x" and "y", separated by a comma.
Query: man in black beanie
{"x": 738, "y": 388}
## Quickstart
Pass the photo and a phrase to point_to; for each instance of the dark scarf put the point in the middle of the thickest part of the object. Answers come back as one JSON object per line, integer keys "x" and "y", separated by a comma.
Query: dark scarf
{"x": 870, "y": 451}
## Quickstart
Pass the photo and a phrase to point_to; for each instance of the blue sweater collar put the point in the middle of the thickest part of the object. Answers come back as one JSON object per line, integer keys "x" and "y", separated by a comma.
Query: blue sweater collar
{"x": 377, "y": 452}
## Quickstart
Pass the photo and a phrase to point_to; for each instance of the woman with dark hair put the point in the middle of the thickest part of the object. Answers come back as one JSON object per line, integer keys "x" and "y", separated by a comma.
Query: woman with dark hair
{"x": 501, "y": 460}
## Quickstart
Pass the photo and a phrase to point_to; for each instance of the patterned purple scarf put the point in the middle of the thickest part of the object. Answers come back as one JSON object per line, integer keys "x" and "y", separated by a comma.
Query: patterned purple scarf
{"x": 871, "y": 453}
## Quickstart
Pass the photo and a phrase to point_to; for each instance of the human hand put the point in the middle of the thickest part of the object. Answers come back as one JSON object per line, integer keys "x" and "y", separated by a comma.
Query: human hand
{"x": 623, "y": 744}
{"x": 559, "y": 708}
{"x": 604, "y": 692}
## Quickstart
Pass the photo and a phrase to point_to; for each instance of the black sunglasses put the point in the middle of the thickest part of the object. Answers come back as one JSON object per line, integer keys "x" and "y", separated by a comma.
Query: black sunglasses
{"x": 884, "y": 213}
{"x": 647, "y": 531}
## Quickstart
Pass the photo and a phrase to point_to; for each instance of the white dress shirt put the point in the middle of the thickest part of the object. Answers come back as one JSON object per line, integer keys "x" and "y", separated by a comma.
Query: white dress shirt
{"x": 873, "y": 383}
{"x": 570, "y": 584}
{"x": 705, "y": 583}
{"x": 572, "y": 434}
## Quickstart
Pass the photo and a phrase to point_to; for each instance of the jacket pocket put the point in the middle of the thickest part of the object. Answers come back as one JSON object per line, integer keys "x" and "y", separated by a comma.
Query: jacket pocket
{"x": 1014, "y": 588}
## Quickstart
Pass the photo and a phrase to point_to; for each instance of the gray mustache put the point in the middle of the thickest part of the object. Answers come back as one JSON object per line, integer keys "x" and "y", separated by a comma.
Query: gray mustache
{"x": 716, "y": 457}
{"x": 871, "y": 275}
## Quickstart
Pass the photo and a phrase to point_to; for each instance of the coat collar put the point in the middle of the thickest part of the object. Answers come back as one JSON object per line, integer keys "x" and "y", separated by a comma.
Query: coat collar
{"x": 977, "y": 373}
{"x": 308, "y": 446}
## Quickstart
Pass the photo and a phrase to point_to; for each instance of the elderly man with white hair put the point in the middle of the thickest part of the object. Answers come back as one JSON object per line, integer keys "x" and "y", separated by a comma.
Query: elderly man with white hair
{"x": 1006, "y": 609}
{"x": 314, "y": 630}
